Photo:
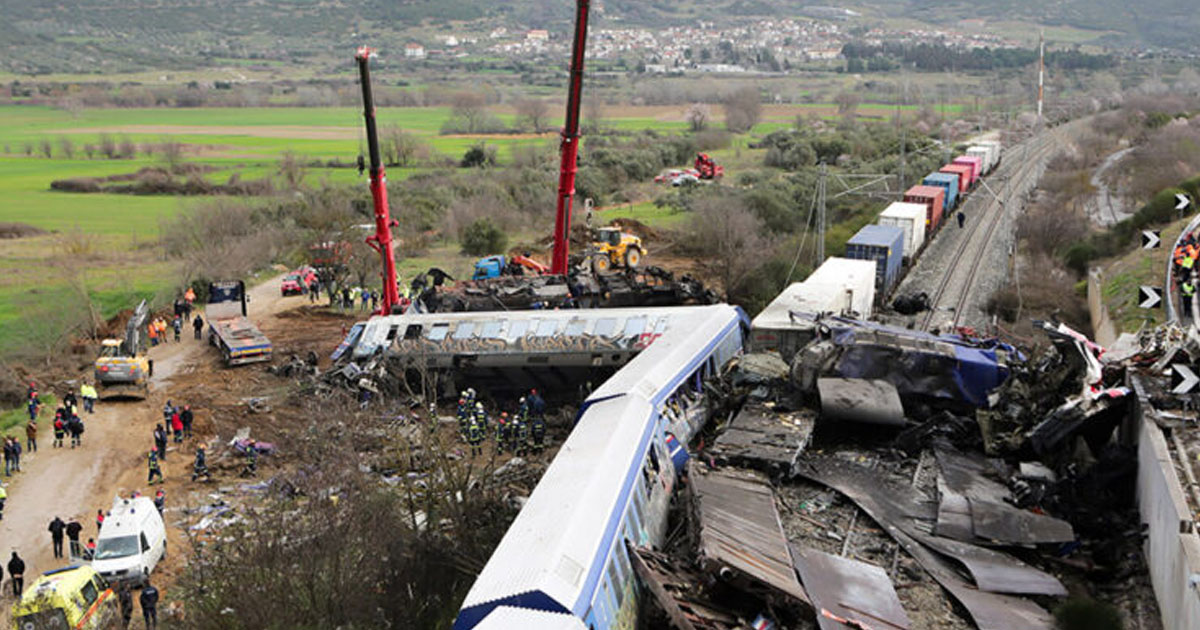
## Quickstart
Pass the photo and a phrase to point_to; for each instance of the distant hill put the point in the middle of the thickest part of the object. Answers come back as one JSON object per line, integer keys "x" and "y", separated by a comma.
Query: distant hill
{"x": 38, "y": 36}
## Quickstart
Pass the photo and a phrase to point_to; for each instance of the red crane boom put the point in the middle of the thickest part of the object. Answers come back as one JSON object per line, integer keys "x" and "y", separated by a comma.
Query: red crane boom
{"x": 381, "y": 241}
{"x": 570, "y": 145}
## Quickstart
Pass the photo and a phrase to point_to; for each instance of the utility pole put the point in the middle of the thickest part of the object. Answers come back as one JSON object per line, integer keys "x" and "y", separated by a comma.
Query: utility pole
{"x": 821, "y": 215}
{"x": 1041, "y": 72}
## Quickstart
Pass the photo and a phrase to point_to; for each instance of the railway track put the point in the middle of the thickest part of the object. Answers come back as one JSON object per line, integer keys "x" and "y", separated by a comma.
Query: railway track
{"x": 954, "y": 290}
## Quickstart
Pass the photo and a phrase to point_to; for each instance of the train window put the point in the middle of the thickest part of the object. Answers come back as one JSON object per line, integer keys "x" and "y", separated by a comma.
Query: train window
{"x": 518, "y": 329}
{"x": 623, "y": 559}
{"x": 575, "y": 327}
{"x": 653, "y": 457}
{"x": 413, "y": 331}
{"x": 615, "y": 580}
{"x": 546, "y": 327}
{"x": 464, "y": 330}
{"x": 605, "y": 327}
{"x": 491, "y": 330}
{"x": 634, "y": 326}
{"x": 660, "y": 326}
{"x": 437, "y": 332}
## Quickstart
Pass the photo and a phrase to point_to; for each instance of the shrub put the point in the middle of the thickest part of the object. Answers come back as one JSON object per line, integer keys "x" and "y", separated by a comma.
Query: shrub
{"x": 483, "y": 238}
{"x": 479, "y": 155}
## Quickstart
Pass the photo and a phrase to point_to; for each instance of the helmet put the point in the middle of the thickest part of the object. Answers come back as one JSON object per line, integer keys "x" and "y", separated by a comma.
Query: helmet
{"x": 533, "y": 391}
{"x": 201, "y": 447}
{"x": 153, "y": 449}
{"x": 479, "y": 406}
{"x": 522, "y": 400}
{"x": 471, "y": 391}
{"x": 503, "y": 414}
{"x": 462, "y": 401}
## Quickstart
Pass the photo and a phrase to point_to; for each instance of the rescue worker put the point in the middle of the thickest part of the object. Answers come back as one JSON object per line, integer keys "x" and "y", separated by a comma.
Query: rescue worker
{"x": 481, "y": 416}
{"x": 187, "y": 418}
{"x": 961, "y": 218}
{"x": 3, "y": 498}
{"x": 251, "y": 469}
{"x": 31, "y": 436}
{"x": 155, "y": 470}
{"x": 197, "y": 326}
{"x": 537, "y": 427}
{"x": 73, "y": 531}
{"x": 60, "y": 428}
{"x": 32, "y": 407}
{"x": 464, "y": 416}
{"x": 160, "y": 441}
{"x": 502, "y": 431}
{"x": 125, "y": 598}
{"x": 475, "y": 436}
{"x": 75, "y": 428}
{"x": 87, "y": 391}
{"x": 200, "y": 464}
{"x": 177, "y": 427}
{"x": 99, "y": 521}
{"x": 537, "y": 406}
{"x": 160, "y": 501}
{"x": 520, "y": 433}
{"x": 89, "y": 549}
{"x": 1188, "y": 291}
{"x": 149, "y": 602}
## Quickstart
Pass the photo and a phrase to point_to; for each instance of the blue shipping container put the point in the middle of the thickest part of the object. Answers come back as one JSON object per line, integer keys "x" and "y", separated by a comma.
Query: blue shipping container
{"x": 885, "y": 245}
{"x": 947, "y": 181}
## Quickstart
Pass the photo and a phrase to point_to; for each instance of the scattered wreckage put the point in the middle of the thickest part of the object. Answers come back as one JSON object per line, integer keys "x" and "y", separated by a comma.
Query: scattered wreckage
{"x": 993, "y": 472}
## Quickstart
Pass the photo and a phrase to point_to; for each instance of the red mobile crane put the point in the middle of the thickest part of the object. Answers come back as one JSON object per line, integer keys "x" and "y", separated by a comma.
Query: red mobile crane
{"x": 570, "y": 145}
{"x": 381, "y": 241}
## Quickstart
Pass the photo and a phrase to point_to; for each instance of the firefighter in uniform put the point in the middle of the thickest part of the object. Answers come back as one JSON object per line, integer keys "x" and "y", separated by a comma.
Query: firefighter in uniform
{"x": 464, "y": 416}
{"x": 475, "y": 437}
{"x": 537, "y": 427}
{"x": 481, "y": 417}
{"x": 154, "y": 466}
{"x": 520, "y": 432}
{"x": 502, "y": 432}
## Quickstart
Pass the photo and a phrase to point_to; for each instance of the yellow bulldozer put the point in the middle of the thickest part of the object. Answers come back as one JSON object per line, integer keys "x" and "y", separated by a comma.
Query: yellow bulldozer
{"x": 612, "y": 248}
{"x": 122, "y": 370}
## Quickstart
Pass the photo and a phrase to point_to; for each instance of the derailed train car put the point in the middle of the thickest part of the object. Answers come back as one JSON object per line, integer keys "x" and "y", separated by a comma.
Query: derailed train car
{"x": 563, "y": 562}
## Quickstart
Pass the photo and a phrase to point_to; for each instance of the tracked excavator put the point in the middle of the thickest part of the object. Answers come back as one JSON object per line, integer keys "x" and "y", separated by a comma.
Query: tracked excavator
{"x": 122, "y": 370}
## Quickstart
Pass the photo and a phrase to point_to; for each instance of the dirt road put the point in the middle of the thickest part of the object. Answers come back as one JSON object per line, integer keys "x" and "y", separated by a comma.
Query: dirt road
{"x": 74, "y": 483}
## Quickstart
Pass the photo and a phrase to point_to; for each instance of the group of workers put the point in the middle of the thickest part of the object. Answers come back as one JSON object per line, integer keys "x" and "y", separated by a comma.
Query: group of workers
{"x": 524, "y": 429}
{"x": 1184, "y": 260}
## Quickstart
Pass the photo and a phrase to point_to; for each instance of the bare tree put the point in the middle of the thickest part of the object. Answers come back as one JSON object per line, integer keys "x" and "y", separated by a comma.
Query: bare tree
{"x": 171, "y": 153}
{"x": 698, "y": 116}
{"x": 46, "y": 148}
{"x": 847, "y": 103}
{"x": 89, "y": 150}
{"x": 66, "y": 148}
{"x": 108, "y": 146}
{"x": 593, "y": 112}
{"x": 291, "y": 168}
{"x": 127, "y": 150}
{"x": 532, "y": 114}
{"x": 743, "y": 109}
{"x": 399, "y": 147}
{"x": 468, "y": 108}
{"x": 731, "y": 239}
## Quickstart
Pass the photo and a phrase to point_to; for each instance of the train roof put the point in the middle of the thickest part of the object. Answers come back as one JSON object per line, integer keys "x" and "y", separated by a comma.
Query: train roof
{"x": 509, "y": 618}
{"x": 546, "y": 559}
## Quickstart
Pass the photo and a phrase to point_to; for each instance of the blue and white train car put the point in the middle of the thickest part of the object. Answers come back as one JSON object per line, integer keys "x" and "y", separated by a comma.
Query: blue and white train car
{"x": 563, "y": 562}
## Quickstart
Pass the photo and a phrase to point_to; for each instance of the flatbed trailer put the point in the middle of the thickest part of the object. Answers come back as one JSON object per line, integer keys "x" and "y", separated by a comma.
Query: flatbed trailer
{"x": 229, "y": 329}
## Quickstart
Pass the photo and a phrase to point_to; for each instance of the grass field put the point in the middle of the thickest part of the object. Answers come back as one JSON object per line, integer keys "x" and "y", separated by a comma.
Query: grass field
{"x": 123, "y": 264}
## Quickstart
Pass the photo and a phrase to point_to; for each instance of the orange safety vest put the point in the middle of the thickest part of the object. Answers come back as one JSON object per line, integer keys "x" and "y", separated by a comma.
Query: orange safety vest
{"x": 152, "y": 330}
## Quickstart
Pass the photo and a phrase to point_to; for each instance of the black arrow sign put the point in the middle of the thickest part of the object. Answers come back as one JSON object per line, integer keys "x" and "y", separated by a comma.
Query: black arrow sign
{"x": 1150, "y": 239}
{"x": 1149, "y": 297}
{"x": 1183, "y": 379}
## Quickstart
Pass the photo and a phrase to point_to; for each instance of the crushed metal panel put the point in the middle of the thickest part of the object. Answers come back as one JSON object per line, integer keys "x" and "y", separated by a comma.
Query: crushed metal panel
{"x": 873, "y": 401}
{"x": 674, "y": 588}
{"x": 760, "y": 437}
{"x": 954, "y": 514}
{"x": 901, "y": 508}
{"x": 849, "y": 589}
{"x": 740, "y": 528}
{"x": 990, "y": 517}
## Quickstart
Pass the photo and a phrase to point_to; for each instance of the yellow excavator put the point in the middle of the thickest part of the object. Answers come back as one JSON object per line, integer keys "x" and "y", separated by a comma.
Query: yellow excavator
{"x": 613, "y": 248}
{"x": 122, "y": 370}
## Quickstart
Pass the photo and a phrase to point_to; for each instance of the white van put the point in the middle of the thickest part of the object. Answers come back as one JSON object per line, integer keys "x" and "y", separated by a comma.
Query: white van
{"x": 132, "y": 541}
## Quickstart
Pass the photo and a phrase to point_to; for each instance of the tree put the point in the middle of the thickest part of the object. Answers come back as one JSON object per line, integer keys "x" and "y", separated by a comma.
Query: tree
{"x": 532, "y": 113}
{"x": 66, "y": 148}
{"x": 698, "y": 116}
{"x": 743, "y": 109}
{"x": 847, "y": 104}
{"x": 467, "y": 112}
{"x": 399, "y": 147}
{"x": 291, "y": 168}
{"x": 593, "y": 113}
{"x": 46, "y": 148}
{"x": 479, "y": 155}
{"x": 730, "y": 239}
{"x": 483, "y": 238}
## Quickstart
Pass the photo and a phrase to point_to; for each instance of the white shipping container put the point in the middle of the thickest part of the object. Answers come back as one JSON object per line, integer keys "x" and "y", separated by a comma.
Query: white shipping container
{"x": 996, "y": 147}
{"x": 984, "y": 153}
{"x": 841, "y": 286}
{"x": 909, "y": 217}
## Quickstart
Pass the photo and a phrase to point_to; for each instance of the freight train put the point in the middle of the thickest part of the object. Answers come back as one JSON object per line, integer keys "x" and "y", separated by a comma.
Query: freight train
{"x": 902, "y": 231}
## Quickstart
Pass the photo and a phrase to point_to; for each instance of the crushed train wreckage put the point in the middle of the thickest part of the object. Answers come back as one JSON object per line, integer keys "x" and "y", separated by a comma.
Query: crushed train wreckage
{"x": 992, "y": 471}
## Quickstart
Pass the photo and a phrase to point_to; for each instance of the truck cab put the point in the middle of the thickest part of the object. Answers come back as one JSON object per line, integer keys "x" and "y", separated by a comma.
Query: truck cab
{"x": 131, "y": 542}
{"x": 70, "y": 597}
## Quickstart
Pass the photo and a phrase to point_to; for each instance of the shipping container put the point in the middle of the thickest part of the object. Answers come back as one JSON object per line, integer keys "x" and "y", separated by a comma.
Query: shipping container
{"x": 949, "y": 183}
{"x": 909, "y": 217}
{"x": 976, "y": 164}
{"x": 996, "y": 147}
{"x": 964, "y": 173}
{"x": 840, "y": 285}
{"x": 933, "y": 198}
{"x": 985, "y": 153}
{"x": 885, "y": 245}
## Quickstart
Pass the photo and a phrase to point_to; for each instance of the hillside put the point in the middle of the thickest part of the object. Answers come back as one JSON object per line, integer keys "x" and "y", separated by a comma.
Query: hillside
{"x": 108, "y": 36}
